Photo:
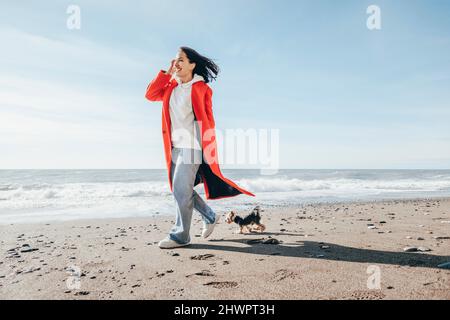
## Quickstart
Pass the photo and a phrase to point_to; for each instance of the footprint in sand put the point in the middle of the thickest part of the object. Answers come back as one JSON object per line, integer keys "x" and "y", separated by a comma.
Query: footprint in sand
{"x": 365, "y": 295}
{"x": 202, "y": 256}
{"x": 203, "y": 273}
{"x": 222, "y": 285}
{"x": 283, "y": 274}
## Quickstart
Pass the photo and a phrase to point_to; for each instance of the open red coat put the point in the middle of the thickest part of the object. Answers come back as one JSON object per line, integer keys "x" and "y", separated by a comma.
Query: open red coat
{"x": 216, "y": 185}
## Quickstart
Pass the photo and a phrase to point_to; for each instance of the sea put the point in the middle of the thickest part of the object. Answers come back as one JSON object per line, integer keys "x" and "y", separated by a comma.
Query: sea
{"x": 36, "y": 196}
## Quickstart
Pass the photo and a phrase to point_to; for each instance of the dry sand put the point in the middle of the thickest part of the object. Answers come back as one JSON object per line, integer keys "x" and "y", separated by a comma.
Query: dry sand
{"x": 326, "y": 251}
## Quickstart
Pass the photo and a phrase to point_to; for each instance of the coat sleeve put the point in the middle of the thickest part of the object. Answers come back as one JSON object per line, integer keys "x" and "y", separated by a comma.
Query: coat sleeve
{"x": 208, "y": 106}
{"x": 157, "y": 87}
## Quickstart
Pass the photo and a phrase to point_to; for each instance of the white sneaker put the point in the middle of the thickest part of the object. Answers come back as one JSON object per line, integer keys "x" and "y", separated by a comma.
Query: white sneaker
{"x": 209, "y": 227}
{"x": 168, "y": 243}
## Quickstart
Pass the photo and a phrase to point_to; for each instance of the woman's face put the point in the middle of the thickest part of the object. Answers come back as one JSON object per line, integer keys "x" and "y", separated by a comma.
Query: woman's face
{"x": 183, "y": 66}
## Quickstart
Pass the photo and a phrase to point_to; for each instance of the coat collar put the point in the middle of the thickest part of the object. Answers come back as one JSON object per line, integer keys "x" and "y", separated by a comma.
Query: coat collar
{"x": 195, "y": 79}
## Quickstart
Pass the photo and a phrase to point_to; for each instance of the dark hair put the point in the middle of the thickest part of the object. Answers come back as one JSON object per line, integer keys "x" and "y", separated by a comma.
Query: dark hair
{"x": 204, "y": 66}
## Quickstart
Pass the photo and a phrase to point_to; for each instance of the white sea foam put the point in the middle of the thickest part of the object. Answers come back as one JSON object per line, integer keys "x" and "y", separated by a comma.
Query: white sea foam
{"x": 285, "y": 185}
{"x": 45, "y": 196}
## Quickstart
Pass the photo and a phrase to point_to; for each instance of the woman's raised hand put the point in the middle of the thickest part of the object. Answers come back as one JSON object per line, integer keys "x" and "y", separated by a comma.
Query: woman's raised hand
{"x": 172, "y": 67}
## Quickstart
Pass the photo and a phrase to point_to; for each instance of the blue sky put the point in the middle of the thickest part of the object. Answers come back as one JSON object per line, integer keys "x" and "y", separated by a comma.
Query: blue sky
{"x": 340, "y": 95}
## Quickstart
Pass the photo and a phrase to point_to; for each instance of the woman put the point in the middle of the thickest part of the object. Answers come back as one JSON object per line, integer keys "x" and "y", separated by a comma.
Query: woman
{"x": 189, "y": 141}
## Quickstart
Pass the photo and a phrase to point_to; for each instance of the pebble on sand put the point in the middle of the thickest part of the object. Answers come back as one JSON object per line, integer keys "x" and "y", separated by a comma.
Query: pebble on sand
{"x": 445, "y": 265}
{"x": 28, "y": 249}
{"x": 415, "y": 249}
{"x": 271, "y": 241}
{"x": 441, "y": 238}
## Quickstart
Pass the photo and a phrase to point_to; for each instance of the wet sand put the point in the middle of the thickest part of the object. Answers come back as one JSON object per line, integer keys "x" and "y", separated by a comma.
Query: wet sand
{"x": 373, "y": 250}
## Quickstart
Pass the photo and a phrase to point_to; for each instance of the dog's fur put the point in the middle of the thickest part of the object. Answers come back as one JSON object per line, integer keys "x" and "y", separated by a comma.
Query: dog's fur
{"x": 249, "y": 223}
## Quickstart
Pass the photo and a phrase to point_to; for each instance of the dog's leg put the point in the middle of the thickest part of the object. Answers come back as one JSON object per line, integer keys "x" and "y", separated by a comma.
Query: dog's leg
{"x": 261, "y": 227}
{"x": 255, "y": 227}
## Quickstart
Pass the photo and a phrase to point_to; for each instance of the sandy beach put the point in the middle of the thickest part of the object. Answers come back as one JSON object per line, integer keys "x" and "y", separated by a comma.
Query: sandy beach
{"x": 387, "y": 249}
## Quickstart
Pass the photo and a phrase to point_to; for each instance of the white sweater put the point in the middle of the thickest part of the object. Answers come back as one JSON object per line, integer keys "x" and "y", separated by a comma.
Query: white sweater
{"x": 184, "y": 133}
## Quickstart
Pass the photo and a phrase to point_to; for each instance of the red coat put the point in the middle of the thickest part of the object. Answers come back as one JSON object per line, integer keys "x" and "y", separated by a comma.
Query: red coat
{"x": 216, "y": 185}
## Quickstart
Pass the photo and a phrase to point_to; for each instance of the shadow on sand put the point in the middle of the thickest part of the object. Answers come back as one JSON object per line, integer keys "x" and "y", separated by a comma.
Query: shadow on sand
{"x": 312, "y": 249}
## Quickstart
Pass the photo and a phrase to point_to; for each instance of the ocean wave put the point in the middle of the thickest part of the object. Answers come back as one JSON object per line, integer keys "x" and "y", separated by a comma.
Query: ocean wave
{"x": 142, "y": 194}
{"x": 286, "y": 185}
{"x": 78, "y": 194}
{"x": 8, "y": 187}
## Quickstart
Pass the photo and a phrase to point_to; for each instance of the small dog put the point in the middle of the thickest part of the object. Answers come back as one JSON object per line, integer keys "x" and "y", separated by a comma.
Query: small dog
{"x": 249, "y": 223}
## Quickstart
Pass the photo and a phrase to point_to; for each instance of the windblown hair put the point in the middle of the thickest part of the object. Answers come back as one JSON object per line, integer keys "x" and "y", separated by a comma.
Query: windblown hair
{"x": 204, "y": 66}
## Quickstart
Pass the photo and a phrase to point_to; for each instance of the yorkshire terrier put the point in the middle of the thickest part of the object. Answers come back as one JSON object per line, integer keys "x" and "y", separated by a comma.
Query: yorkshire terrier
{"x": 249, "y": 223}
